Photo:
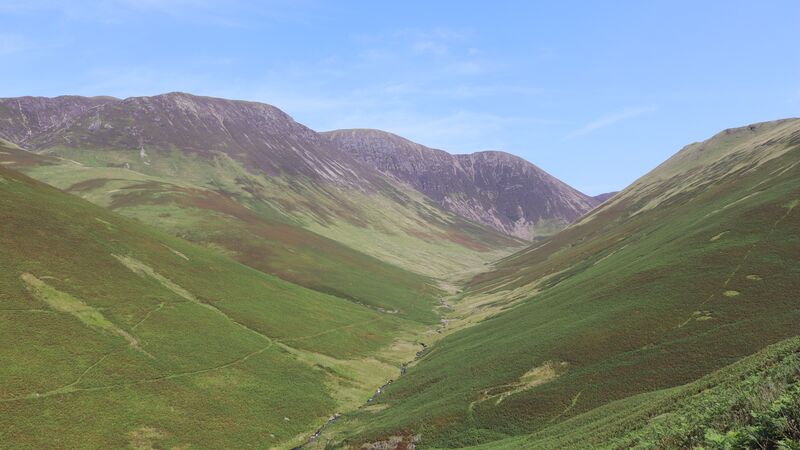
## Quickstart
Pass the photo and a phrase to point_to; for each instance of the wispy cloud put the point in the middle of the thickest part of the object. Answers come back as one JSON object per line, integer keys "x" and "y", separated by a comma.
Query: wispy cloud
{"x": 432, "y": 88}
{"x": 222, "y": 13}
{"x": 457, "y": 131}
{"x": 10, "y": 43}
{"x": 443, "y": 51}
{"x": 610, "y": 119}
{"x": 18, "y": 43}
{"x": 451, "y": 91}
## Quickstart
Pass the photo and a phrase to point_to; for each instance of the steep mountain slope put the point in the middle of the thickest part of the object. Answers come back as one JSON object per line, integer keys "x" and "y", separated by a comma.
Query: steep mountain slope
{"x": 122, "y": 336}
{"x": 690, "y": 269}
{"x": 246, "y": 163}
{"x": 27, "y": 118}
{"x": 496, "y": 189}
{"x": 258, "y": 135}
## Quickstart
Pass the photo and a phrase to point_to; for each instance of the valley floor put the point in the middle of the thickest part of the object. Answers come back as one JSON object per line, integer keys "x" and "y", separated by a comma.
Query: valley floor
{"x": 668, "y": 318}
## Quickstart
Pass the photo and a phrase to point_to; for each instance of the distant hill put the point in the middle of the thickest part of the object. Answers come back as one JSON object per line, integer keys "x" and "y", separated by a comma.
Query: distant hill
{"x": 496, "y": 189}
{"x": 603, "y": 197}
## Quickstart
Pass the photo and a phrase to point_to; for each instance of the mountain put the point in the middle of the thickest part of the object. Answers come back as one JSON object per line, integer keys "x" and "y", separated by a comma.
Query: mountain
{"x": 603, "y": 197}
{"x": 496, "y": 189}
{"x": 602, "y": 335}
{"x": 257, "y": 135}
{"x": 183, "y": 271}
{"x": 244, "y": 178}
{"x": 127, "y": 337}
{"x": 229, "y": 262}
{"x": 27, "y": 118}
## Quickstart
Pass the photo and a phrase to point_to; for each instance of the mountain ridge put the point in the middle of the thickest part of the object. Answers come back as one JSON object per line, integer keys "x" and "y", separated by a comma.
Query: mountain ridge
{"x": 190, "y": 122}
{"x": 264, "y": 138}
{"x": 238, "y": 155}
{"x": 492, "y": 187}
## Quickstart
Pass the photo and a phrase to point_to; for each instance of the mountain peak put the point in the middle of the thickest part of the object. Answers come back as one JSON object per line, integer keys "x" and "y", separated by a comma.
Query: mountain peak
{"x": 492, "y": 187}
{"x": 257, "y": 135}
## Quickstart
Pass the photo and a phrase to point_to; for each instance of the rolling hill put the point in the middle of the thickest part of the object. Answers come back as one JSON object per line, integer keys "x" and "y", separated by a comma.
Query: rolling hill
{"x": 245, "y": 178}
{"x": 496, "y": 189}
{"x": 250, "y": 236}
{"x": 122, "y": 336}
{"x": 625, "y": 318}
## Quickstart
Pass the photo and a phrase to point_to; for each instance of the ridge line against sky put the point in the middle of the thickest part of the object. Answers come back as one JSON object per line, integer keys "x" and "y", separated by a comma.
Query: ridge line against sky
{"x": 596, "y": 94}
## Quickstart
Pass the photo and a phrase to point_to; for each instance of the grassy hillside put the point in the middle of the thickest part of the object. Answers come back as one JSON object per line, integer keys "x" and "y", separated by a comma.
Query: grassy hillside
{"x": 394, "y": 224}
{"x": 207, "y": 161}
{"x": 753, "y": 403}
{"x": 690, "y": 269}
{"x": 250, "y": 231}
{"x": 122, "y": 336}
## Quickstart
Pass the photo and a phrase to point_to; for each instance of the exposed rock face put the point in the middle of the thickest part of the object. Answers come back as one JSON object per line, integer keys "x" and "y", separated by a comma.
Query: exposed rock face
{"x": 257, "y": 134}
{"x": 23, "y": 119}
{"x": 493, "y": 188}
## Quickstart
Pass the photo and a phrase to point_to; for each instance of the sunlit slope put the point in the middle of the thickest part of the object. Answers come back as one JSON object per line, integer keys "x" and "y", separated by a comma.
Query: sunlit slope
{"x": 121, "y": 336}
{"x": 688, "y": 270}
{"x": 394, "y": 224}
{"x": 494, "y": 188}
{"x": 248, "y": 155}
{"x": 753, "y": 403}
{"x": 254, "y": 235}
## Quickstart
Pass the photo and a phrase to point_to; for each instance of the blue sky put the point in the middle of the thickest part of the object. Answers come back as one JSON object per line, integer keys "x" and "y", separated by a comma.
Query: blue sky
{"x": 596, "y": 93}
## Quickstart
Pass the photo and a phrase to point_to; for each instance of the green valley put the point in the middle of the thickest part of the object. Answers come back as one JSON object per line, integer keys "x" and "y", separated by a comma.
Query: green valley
{"x": 319, "y": 225}
{"x": 589, "y": 336}
{"x": 173, "y": 287}
{"x": 126, "y": 336}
